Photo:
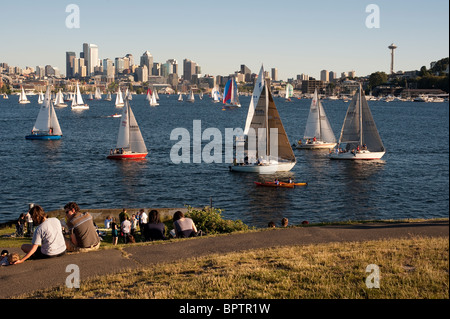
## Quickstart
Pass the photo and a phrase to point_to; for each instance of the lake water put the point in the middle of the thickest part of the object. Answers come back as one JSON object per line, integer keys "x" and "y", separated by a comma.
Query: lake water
{"x": 411, "y": 180}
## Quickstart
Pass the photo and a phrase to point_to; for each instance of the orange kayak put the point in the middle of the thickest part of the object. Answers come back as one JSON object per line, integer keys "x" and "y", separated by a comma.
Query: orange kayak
{"x": 273, "y": 184}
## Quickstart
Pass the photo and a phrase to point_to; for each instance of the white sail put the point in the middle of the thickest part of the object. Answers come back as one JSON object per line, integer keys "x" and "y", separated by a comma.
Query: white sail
{"x": 77, "y": 101}
{"x": 259, "y": 85}
{"x": 119, "y": 98}
{"x": 47, "y": 120}
{"x": 108, "y": 97}
{"x": 289, "y": 91}
{"x": 149, "y": 96}
{"x": 191, "y": 97}
{"x": 98, "y": 94}
{"x": 23, "y": 97}
{"x": 156, "y": 94}
{"x": 153, "y": 101}
{"x": 60, "y": 99}
{"x": 130, "y": 137}
{"x": 79, "y": 98}
{"x": 180, "y": 98}
{"x": 317, "y": 125}
{"x": 41, "y": 98}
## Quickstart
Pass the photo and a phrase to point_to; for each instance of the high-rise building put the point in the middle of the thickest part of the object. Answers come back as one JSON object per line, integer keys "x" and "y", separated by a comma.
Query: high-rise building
{"x": 189, "y": 69}
{"x": 142, "y": 74}
{"x": 108, "y": 69}
{"x": 351, "y": 74}
{"x": 274, "y": 74}
{"x": 131, "y": 59}
{"x": 245, "y": 69}
{"x": 333, "y": 76}
{"x": 324, "y": 76}
{"x": 40, "y": 71}
{"x": 90, "y": 55}
{"x": 70, "y": 57}
{"x": 120, "y": 65}
{"x": 147, "y": 60}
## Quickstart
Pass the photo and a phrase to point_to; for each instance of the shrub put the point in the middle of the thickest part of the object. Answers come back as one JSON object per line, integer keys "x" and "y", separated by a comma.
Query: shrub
{"x": 210, "y": 221}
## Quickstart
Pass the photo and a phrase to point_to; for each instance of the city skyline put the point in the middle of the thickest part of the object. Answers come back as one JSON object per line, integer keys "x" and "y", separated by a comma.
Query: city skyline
{"x": 295, "y": 38}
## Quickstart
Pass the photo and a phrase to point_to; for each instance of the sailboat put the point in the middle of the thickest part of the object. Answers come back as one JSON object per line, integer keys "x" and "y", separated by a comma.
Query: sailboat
{"x": 91, "y": 97}
{"x": 108, "y": 97}
{"x": 153, "y": 101}
{"x": 180, "y": 97}
{"x": 266, "y": 145}
{"x": 230, "y": 93}
{"x": 98, "y": 94}
{"x": 77, "y": 101}
{"x": 119, "y": 98}
{"x": 130, "y": 144}
{"x": 59, "y": 102}
{"x": 5, "y": 96}
{"x": 23, "y": 97}
{"x": 200, "y": 95}
{"x": 216, "y": 95}
{"x": 318, "y": 133}
{"x": 191, "y": 97}
{"x": 47, "y": 125}
{"x": 289, "y": 92}
{"x": 359, "y": 138}
{"x": 149, "y": 95}
{"x": 41, "y": 98}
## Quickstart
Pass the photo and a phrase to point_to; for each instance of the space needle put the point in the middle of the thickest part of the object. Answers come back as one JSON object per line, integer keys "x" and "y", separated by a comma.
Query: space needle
{"x": 392, "y": 47}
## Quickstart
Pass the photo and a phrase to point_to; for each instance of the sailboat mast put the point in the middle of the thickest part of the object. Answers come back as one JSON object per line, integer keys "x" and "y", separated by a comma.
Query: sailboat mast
{"x": 267, "y": 122}
{"x": 360, "y": 117}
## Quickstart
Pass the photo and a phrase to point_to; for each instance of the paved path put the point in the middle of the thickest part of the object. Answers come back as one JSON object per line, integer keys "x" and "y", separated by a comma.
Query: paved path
{"x": 40, "y": 274}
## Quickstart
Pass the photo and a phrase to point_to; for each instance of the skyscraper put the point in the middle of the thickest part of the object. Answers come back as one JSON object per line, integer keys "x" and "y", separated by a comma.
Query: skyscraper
{"x": 70, "y": 58}
{"x": 324, "y": 76}
{"x": 90, "y": 54}
{"x": 189, "y": 68}
{"x": 274, "y": 74}
{"x": 147, "y": 60}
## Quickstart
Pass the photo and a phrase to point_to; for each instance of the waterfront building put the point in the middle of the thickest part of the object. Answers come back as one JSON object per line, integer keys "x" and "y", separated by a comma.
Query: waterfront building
{"x": 309, "y": 86}
{"x": 142, "y": 74}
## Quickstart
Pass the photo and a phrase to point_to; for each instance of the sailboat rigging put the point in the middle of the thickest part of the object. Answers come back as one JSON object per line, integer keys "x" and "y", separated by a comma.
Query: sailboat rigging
{"x": 359, "y": 139}
{"x": 130, "y": 143}
{"x": 318, "y": 133}
{"x": 46, "y": 126}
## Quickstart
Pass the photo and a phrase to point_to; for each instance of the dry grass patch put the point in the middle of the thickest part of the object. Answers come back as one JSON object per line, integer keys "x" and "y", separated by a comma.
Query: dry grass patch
{"x": 409, "y": 268}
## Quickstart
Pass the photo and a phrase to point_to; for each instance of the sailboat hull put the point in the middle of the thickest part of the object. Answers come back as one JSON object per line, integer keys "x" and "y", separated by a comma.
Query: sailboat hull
{"x": 24, "y": 102}
{"x": 132, "y": 156}
{"x": 263, "y": 169}
{"x": 316, "y": 145}
{"x": 43, "y": 137}
{"x": 362, "y": 155}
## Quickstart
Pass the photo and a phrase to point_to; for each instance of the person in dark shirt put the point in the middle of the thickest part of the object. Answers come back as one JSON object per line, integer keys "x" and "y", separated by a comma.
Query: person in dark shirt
{"x": 154, "y": 229}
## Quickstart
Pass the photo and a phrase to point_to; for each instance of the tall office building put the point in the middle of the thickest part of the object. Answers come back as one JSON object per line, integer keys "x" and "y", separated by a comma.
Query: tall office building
{"x": 120, "y": 65}
{"x": 324, "y": 76}
{"x": 189, "y": 69}
{"x": 274, "y": 74}
{"x": 147, "y": 60}
{"x": 108, "y": 69}
{"x": 70, "y": 60}
{"x": 90, "y": 55}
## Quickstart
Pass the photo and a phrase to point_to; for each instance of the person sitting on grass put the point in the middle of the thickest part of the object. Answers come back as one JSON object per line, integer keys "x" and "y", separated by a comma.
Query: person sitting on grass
{"x": 48, "y": 239}
{"x": 184, "y": 227}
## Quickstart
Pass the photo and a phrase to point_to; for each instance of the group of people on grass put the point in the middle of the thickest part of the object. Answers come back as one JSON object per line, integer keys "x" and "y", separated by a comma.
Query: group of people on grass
{"x": 51, "y": 238}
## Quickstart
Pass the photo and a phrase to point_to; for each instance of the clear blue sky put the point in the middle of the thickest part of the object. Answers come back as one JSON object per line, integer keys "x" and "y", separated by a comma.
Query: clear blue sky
{"x": 294, "y": 36}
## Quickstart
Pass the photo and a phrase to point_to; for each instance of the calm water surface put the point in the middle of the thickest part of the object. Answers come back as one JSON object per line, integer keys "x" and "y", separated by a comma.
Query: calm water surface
{"x": 411, "y": 180}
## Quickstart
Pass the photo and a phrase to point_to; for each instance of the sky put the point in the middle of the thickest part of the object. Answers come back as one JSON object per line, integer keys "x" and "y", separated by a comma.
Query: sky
{"x": 294, "y": 36}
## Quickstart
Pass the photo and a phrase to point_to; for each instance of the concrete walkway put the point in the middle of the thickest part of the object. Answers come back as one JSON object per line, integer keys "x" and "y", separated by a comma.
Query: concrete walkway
{"x": 41, "y": 274}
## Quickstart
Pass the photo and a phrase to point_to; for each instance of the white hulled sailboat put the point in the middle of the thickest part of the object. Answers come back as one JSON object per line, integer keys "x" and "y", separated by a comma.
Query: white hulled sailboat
{"x": 359, "y": 138}
{"x": 23, "y": 97}
{"x": 77, "y": 101}
{"x": 130, "y": 144}
{"x": 318, "y": 133}
{"x": 267, "y": 148}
